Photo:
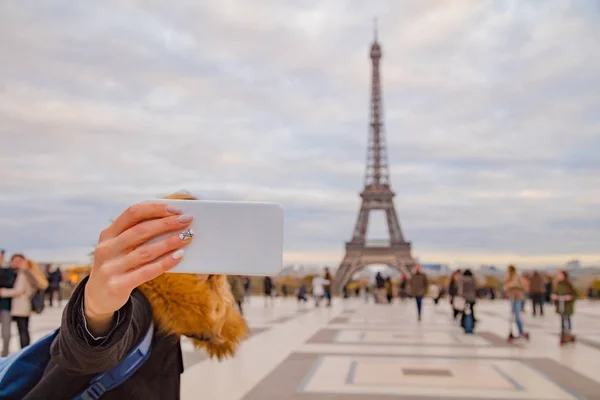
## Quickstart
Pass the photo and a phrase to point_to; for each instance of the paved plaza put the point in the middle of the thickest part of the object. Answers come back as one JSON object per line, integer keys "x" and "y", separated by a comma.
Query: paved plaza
{"x": 366, "y": 351}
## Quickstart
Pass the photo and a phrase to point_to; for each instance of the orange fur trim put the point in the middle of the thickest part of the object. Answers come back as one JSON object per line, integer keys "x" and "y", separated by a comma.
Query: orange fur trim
{"x": 187, "y": 305}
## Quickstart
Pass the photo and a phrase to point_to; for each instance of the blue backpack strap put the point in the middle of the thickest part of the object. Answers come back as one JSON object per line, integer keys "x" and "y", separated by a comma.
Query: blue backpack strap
{"x": 120, "y": 373}
{"x": 21, "y": 371}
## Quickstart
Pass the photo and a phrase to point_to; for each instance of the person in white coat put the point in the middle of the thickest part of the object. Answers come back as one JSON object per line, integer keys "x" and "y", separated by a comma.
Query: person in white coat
{"x": 318, "y": 289}
{"x": 29, "y": 280}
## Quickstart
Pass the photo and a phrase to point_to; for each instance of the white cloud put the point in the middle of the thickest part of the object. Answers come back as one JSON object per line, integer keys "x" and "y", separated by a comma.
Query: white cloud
{"x": 490, "y": 110}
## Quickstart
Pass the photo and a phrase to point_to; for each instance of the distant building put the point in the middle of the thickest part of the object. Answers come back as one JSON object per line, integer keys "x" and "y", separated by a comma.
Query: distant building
{"x": 436, "y": 269}
{"x": 491, "y": 270}
{"x": 573, "y": 264}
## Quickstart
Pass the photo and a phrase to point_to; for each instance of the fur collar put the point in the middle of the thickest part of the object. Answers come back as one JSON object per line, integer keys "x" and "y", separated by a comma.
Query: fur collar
{"x": 202, "y": 309}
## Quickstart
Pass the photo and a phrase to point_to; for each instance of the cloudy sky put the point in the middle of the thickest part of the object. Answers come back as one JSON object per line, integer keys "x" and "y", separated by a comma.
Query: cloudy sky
{"x": 491, "y": 113}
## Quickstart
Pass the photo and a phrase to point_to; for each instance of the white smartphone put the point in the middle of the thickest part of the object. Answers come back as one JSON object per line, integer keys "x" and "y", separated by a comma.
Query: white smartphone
{"x": 231, "y": 238}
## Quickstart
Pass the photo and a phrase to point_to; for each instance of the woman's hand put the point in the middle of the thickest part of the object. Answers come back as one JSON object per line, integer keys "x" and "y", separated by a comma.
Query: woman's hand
{"x": 123, "y": 260}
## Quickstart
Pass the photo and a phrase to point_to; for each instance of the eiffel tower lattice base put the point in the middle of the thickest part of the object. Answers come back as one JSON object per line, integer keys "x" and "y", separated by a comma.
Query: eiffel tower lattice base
{"x": 359, "y": 253}
{"x": 359, "y": 256}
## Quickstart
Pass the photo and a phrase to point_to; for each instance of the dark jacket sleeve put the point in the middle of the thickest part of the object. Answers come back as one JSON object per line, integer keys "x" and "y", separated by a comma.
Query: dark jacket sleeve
{"x": 78, "y": 353}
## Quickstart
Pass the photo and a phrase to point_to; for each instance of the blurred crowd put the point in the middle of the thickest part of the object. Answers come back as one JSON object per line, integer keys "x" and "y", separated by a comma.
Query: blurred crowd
{"x": 25, "y": 288}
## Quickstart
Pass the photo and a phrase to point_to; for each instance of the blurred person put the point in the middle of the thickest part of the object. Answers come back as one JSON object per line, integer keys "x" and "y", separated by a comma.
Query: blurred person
{"x": 380, "y": 287}
{"x": 327, "y": 287}
{"x": 345, "y": 291}
{"x": 418, "y": 288}
{"x": 435, "y": 292}
{"x": 536, "y": 293}
{"x": 236, "y": 284}
{"x": 467, "y": 289}
{"x": 548, "y": 289}
{"x": 247, "y": 288}
{"x": 525, "y": 279}
{"x": 590, "y": 293}
{"x": 128, "y": 297}
{"x": 403, "y": 284}
{"x": 268, "y": 290}
{"x": 28, "y": 281}
{"x": 515, "y": 288}
{"x": 8, "y": 277}
{"x": 318, "y": 289}
{"x": 453, "y": 292}
{"x": 565, "y": 291}
{"x": 301, "y": 295}
{"x": 284, "y": 290}
{"x": 54, "y": 280}
{"x": 389, "y": 289}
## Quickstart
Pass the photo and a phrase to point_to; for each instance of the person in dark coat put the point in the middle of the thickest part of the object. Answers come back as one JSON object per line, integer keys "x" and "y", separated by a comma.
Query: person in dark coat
{"x": 346, "y": 291}
{"x": 536, "y": 293}
{"x": 8, "y": 276}
{"x": 301, "y": 295}
{"x": 380, "y": 287}
{"x": 467, "y": 289}
{"x": 268, "y": 290}
{"x": 236, "y": 284}
{"x": 284, "y": 290}
{"x": 418, "y": 288}
{"x": 247, "y": 288}
{"x": 128, "y": 290}
{"x": 389, "y": 288}
{"x": 327, "y": 286}
{"x": 54, "y": 280}
{"x": 453, "y": 291}
{"x": 564, "y": 289}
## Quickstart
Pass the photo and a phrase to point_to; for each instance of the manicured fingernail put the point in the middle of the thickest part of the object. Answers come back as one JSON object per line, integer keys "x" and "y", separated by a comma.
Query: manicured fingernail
{"x": 178, "y": 254}
{"x": 187, "y": 234}
{"x": 185, "y": 218}
{"x": 174, "y": 210}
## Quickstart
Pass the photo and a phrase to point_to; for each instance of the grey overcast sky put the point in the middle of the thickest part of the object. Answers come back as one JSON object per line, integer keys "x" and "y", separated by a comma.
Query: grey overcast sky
{"x": 491, "y": 112}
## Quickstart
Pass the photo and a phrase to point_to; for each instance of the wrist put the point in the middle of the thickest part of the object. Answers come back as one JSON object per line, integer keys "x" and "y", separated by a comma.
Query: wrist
{"x": 98, "y": 323}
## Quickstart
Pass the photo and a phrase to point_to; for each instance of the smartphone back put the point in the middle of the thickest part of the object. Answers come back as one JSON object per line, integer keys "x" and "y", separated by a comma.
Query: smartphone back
{"x": 232, "y": 238}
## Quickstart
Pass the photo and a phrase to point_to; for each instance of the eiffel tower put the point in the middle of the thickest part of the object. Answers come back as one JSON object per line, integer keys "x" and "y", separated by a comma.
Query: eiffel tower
{"x": 376, "y": 195}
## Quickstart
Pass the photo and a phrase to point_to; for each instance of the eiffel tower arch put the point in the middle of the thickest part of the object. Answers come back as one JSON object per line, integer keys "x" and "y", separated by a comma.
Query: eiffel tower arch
{"x": 376, "y": 195}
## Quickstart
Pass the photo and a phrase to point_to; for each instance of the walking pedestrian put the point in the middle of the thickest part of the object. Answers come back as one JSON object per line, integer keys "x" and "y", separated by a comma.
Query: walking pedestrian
{"x": 268, "y": 290}
{"x": 418, "y": 288}
{"x": 467, "y": 289}
{"x": 302, "y": 295}
{"x": 564, "y": 289}
{"x": 536, "y": 293}
{"x": 7, "y": 280}
{"x": 525, "y": 280}
{"x": 236, "y": 284}
{"x": 380, "y": 287}
{"x": 54, "y": 281}
{"x": 515, "y": 288}
{"x": 247, "y": 288}
{"x": 327, "y": 286}
{"x": 389, "y": 289}
{"x": 453, "y": 292}
{"x": 28, "y": 281}
{"x": 318, "y": 289}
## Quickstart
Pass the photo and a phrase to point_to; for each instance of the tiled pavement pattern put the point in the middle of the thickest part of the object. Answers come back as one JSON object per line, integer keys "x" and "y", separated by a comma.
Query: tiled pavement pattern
{"x": 365, "y": 351}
